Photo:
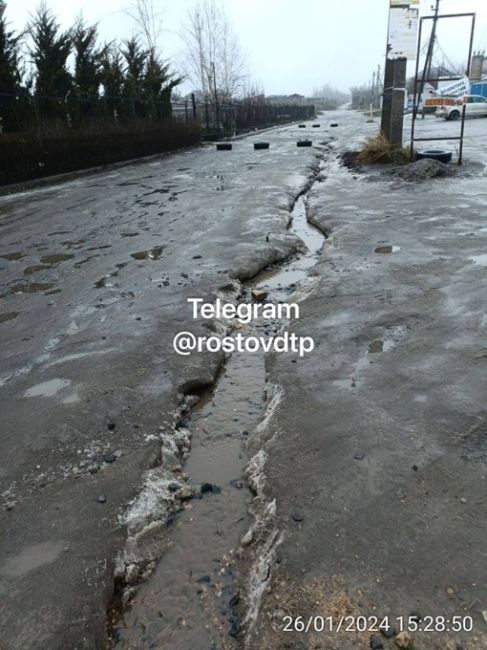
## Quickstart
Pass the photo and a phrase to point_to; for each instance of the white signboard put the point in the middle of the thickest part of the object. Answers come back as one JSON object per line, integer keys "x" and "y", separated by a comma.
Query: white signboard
{"x": 403, "y": 32}
{"x": 457, "y": 88}
{"x": 404, "y": 3}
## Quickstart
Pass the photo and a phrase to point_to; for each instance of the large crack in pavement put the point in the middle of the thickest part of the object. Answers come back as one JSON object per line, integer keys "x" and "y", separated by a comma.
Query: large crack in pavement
{"x": 378, "y": 508}
{"x": 87, "y": 376}
{"x": 187, "y": 531}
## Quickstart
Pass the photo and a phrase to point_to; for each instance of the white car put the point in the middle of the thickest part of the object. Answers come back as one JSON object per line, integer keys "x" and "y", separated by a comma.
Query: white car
{"x": 476, "y": 106}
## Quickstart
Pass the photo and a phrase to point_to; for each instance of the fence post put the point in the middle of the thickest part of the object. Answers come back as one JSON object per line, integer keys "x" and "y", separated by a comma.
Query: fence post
{"x": 193, "y": 101}
{"x": 207, "y": 118}
{"x": 186, "y": 114}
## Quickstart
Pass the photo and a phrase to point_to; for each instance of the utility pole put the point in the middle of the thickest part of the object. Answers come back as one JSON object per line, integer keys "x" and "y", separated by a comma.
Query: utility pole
{"x": 3, "y": 6}
{"x": 393, "y": 100}
{"x": 429, "y": 59}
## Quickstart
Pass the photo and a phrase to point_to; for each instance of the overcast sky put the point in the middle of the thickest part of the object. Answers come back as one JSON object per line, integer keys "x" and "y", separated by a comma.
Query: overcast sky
{"x": 290, "y": 45}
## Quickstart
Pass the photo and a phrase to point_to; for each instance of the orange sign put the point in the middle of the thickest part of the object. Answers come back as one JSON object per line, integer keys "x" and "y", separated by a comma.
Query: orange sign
{"x": 443, "y": 101}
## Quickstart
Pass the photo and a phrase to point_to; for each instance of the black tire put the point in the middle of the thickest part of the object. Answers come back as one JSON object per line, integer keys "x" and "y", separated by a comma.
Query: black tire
{"x": 316, "y": 126}
{"x": 454, "y": 115}
{"x": 224, "y": 146}
{"x": 334, "y": 124}
{"x": 301, "y": 126}
{"x": 261, "y": 145}
{"x": 435, "y": 154}
{"x": 304, "y": 143}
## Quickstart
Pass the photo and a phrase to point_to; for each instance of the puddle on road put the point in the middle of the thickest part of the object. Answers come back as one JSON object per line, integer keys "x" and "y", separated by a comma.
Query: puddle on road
{"x": 392, "y": 337}
{"x": 85, "y": 260}
{"x": 387, "y": 249}
{"x": 376, "y": 346}
{"x": 56, "y": 258}
{"x": 12, "y": 257}
{"x": 162, "y": 190}
{"x": 480, "y": 260}
{"x": 6, "y": 316}
{"x": 281, "y": 281}
{"x": 195, "y": 581}
{"x": 32, "y": 557}
{"x": 152, "y": 254}
{"x": 36, "y": 268}
{"x": 69, "y": 243}
{"x": 47, "y": 388}
{"x": 190, "y": 598}
{"x": 99, "y": 248}
{"x": 104, "y": 282}
{"x": 33, "y": 287}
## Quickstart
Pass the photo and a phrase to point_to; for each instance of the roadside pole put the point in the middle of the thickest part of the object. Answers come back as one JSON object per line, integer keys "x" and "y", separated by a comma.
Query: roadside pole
{"x": 401, "y": 46}
{"x": 393, "y": 100}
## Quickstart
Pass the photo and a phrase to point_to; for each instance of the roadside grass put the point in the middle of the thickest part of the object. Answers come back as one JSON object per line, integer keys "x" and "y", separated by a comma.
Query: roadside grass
{"x": 56, "y": 149}
{"x": 379, "y": 150}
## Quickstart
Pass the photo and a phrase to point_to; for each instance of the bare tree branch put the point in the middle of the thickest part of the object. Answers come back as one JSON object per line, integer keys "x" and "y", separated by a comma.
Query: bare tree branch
{"x": 213, "y": 56}
{"x": 149, "y": 22}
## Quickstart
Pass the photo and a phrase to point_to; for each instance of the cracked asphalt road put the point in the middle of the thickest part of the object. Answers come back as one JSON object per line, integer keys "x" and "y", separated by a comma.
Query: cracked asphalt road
{"x": 95, "y": 274}
{"x": 376, "y": 450}
{"x": 379, "y": 440}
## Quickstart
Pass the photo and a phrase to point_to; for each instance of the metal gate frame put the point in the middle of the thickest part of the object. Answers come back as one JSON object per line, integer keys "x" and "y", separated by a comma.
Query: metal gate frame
{"x": 417, "y": 98}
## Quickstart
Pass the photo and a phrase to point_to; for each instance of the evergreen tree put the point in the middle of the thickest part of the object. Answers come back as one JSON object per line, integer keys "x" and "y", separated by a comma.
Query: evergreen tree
{"x": 87, "y": 68}
{"x": 135, "y": 64}
{"x": 50, "y": 51}
{"x": 112, "y": 79}
{"x": 158, "y": 85}
{"x": 12, "y": 94}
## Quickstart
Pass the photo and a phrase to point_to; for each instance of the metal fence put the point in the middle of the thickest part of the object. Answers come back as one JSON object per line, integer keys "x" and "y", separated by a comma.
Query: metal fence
{"x": 23, "y": 111}
{"x": 219, "y": 119}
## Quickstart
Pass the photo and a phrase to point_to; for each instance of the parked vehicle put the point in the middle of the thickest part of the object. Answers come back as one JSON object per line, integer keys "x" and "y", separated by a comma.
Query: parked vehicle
{"x": 476, "y": 106}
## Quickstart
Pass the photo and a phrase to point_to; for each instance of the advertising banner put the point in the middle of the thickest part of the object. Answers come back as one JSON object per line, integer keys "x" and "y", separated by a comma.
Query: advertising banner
{"x": 403, "y": 32}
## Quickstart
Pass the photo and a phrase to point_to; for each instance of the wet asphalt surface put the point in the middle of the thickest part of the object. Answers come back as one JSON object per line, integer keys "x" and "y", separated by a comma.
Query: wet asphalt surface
{"x": 95, "y": 274}
{"x": 376, "y": 448}
{"x": 368, "y": 473}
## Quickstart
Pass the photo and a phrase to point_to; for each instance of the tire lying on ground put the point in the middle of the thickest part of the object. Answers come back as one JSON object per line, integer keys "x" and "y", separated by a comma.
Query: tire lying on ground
{"x": 316, "y": 126}
{"x": 302, "y": 126}
{"x": 304, "y": 143}
{"x": 224, "y": 146}
{"x": 261, "y": 145}
{"x": 435, "y": 154}
{"x": 334, "y": 124}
